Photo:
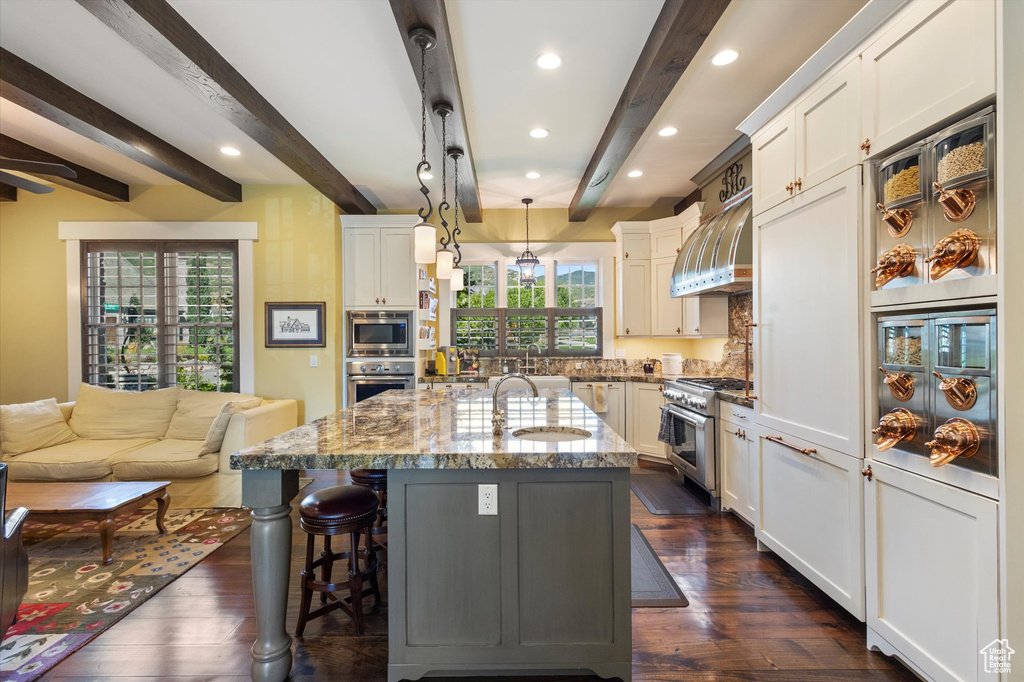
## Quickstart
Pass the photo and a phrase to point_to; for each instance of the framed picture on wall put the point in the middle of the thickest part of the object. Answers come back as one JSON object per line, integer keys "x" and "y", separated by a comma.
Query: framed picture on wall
{"x": 296, "y": 325}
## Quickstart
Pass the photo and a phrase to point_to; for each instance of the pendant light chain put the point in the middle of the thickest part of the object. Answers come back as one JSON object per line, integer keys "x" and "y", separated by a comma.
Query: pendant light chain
{"x": 424, "y": 165}
{"x": 446, "y": 238}
{"x": 527, "y": 227}
{"x": 455, "y": 230}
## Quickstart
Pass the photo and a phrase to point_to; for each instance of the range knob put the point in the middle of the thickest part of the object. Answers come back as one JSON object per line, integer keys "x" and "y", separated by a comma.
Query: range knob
{"x": 398, "y": 368}
{"x": 380, "y": 369}
{"x": 362, "y": 368}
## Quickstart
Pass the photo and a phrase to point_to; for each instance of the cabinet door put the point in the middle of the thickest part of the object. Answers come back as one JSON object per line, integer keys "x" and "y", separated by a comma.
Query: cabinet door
{"x": 666, "y": 243}
{"x": 666, "y": 312}
{"x": 938, "y": 60}
{"x": 362, "y": 263}
{"x": 774, "y": 163}
{"x": 932, "y": 567}
{"x": 735, "y": 454}
{"x": 828, "y": 128}
{"x": 636, "y": 246}
{"x": 705, "y": 316}
{"x": 614, "y": 413}
{"x": 647, "y": 403}
{"x": 633, "y": 304}
{"x": 397, "y": 268}
{"x": 806, "y": 306}
{"x": 811, "y": 515}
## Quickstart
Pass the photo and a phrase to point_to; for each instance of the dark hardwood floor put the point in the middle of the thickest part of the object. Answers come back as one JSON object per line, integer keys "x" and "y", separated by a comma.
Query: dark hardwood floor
{"x": 750, "y": 617}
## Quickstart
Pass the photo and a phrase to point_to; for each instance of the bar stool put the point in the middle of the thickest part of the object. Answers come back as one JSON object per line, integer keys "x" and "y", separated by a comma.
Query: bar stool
{"x": 376, "y": 480}
{"x": 334, "y": 511}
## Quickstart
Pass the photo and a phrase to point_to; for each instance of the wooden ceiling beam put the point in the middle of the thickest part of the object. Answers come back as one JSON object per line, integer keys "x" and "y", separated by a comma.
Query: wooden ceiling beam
{"x": 442, "y": 86}
{"x": 8, "y": 192}
{"x": 39, "y": 92}
{"x": 159, "y": 32}
{"x": 678, "y": 33}
{"x": 88, "y": 181}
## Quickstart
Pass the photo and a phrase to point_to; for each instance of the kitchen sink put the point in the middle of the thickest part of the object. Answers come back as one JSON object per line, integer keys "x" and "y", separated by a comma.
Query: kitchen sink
{"x": 542, "y": 381}
{"x": 552, "y": 434}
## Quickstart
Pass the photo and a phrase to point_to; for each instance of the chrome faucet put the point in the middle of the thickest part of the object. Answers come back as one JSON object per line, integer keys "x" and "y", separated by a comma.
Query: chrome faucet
{"x": 496, "y": 414}
{"x": 526, "y": 366}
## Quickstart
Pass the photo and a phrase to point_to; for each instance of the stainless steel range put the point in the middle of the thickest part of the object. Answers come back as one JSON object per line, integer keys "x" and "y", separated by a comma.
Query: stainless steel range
{"x": 692, "y": 405}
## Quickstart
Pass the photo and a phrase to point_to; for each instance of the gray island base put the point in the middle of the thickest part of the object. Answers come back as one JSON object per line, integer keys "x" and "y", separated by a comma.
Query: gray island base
{"x": 540, "y": 588}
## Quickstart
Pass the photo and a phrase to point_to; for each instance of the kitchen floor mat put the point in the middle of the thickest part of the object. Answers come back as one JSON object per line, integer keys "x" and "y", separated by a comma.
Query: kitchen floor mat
{"x": 664, "y": 494}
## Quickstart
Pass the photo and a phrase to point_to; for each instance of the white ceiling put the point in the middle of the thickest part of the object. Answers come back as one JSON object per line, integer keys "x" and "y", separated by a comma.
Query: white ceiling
{"x": 338, "y": 71}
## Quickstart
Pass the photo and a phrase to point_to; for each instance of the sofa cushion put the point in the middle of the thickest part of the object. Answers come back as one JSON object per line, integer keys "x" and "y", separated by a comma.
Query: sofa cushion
{"x": 196, "y": 411}
{"x": 103, "y": 413}
{"x": 80, "y": 460}
{"x": 168, "y": 458}
{"x": 215, "y": 437}
{"x": 31, "y": 426}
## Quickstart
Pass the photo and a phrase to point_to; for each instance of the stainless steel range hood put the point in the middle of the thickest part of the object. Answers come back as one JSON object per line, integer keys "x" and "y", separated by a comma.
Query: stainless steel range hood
{"x": 717, "y": 257}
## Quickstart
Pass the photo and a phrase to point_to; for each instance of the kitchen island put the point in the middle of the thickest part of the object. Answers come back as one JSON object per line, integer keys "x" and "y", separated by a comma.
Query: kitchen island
{"x": 542, "y": 587}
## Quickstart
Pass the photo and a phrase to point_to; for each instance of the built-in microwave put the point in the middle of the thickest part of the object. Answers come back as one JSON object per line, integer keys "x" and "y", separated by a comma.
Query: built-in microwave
{"x": 376, "y": 333}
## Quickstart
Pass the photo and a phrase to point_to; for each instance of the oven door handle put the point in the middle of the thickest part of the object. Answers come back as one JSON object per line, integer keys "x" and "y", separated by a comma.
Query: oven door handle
{"x": 698, "y": 420}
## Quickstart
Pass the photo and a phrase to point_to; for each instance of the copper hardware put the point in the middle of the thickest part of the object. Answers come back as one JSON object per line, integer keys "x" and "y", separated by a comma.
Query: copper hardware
{"x": 957, "y": 204}
{"x": 901, "y": 384}
{"x": 956, "y": 438}
{"x": 961, "y": 392}
{"x": 746, "y": 359}
{"x": 789, "y": 188}
{"x": 377, "y": 300}
{"x": 799, "y": 183}
{"x": 661, "y": 387}
{"x": 898, "y": 425}
{"x": 678, "y": 249}
{"x": 897, "y": 220}
{"x": 865, "y": 146}
{"x": 958, "y": 249}
{"x": 738, "y": 415}
{"x": 867, "y": 473}
{"x": 678, "y": 330}
{"x": 627, "y": 330}
{"x": 384, "y": 301}
{"x": 626, "y": 255}
{"x": 896, "y": 262}
{"x": 780, "y": 441}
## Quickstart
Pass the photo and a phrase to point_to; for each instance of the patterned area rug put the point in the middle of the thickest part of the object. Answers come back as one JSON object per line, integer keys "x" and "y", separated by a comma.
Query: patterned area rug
{"x": 72, "y": 597}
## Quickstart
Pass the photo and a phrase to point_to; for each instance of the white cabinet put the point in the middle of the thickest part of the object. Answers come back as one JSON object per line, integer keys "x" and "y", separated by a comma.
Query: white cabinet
{"x": 932, "y": 567}
{"x": 811, "y": 142}
{"x": 380, "y": 271}
{"x": 633, "y": 298}
{"x": 613, "y": 407}
{"x": 811, "y": 514}
{"x": 666, "y": 312}
{"x": 806, "y": 306}
{"x": 705, "y": 316}
{"x": 737, "y": 443}
{"x": 935, "y": 62}
{"x": 645, "y": 403}
{"x": 636, "y": 246}
{"x": 666, "y": 243}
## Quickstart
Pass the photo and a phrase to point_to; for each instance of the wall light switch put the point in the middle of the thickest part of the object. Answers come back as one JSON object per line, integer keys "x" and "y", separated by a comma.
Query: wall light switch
{"x": 620, "y": 352}
{"x": 488, "y": 499}
{"x": 314, "y": 361}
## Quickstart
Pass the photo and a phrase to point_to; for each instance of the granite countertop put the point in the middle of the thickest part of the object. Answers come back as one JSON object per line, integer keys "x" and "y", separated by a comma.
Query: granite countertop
{"x": 736, "y": 398}
{"x": 466, "y": 379}
{"x": 443, "y": 429}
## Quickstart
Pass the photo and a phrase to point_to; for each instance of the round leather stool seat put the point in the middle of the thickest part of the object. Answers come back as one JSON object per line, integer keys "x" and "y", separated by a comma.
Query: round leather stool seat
{"x": 369, "y": 477}
{"x": 337, "y": 510}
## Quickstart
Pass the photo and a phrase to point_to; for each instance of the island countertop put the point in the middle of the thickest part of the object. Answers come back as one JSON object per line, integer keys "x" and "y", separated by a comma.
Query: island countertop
{"x": 443, "y": 429}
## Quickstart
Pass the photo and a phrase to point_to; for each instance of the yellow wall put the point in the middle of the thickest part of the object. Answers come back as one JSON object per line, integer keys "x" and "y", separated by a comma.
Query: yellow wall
{"x": 297, "y": 258}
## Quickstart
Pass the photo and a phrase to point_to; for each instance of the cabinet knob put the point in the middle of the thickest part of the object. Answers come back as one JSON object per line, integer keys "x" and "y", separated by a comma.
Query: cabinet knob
{"x": 626, "y": 255}
{"x": 678, "y": 249}
{"x": 789, "y": 188}
{"x": 865, "y": 146}
{"x": 697, "y": 330}
{"x": 661, "y": 387}
{"x": 377, "y": 300}
{"x": 678, "y": 330}
{"x": 867, "y": 473}
{"x": 627, "y": 330}
{"x": 799, "y": 183}
{"x": 385, "y": 301}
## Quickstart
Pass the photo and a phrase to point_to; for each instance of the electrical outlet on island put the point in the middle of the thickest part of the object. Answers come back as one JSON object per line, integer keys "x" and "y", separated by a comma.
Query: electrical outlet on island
{"x": 488, "y": 498}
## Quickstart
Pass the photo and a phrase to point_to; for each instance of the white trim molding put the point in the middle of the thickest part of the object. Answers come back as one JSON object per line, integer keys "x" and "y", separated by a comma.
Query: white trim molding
{"x": 380, "y": 220}
{"x": 245, "y": 233}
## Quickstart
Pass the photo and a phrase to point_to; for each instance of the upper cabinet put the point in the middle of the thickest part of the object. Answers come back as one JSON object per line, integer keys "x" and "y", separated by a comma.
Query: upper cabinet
{"x": 379, "y": 267}
{"x": 633, "y": 298}
{"x": 814, "y": 141}
{"x": 934, "y": 63}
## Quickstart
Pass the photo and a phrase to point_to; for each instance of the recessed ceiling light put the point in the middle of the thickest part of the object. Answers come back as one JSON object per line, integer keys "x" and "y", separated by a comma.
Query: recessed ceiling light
{"x": 424, "y": 175}
{"x": 533, "y": 175}
{"x": 230, "y": 151}
{"x": 635, "y": 173}
{"x": 668, "y": 130}
{"x": 540, "y": 132}
{"x": 549, "y": 60}
{"x": 724, "y": 57}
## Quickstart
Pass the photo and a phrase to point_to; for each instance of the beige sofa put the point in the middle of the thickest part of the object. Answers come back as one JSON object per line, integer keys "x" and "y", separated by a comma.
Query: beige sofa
{"x": 115, "y": 435}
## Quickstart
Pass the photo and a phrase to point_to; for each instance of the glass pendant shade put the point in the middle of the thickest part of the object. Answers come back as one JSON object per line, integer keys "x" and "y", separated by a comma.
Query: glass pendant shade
{"x": 425, "y": 240}
{"x": 458, "y": 280}
{"x": 527, "y": 269}
{"x": 445, "y": 264}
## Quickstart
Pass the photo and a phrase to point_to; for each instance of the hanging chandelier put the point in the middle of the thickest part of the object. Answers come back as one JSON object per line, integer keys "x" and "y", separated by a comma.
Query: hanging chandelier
{"x": 458, "y": 276}
{"x": 445, "y": 258}
{"x": 424, "y": 233}
{"x": 527, "y": 262}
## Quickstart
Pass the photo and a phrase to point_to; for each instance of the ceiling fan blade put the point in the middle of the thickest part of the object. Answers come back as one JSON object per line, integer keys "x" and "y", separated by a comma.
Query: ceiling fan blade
{"x": 38, "y": 168}
{"x": 22, "y": 183}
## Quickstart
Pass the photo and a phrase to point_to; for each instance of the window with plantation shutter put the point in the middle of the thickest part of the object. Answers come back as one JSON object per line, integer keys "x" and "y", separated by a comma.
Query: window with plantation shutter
{"x": 159, "y": 314}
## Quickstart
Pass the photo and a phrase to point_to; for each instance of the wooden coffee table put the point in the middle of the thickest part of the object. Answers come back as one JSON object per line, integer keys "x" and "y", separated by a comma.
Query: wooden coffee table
{"x": 99, "y": 502}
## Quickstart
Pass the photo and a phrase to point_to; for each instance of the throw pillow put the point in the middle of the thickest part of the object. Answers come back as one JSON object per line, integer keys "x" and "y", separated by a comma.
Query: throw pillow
{"x": 32, "y": 426}
{"x": 196, "y": 411}
{"x": 103, "y": 413}
{"x": 215, "y": 437}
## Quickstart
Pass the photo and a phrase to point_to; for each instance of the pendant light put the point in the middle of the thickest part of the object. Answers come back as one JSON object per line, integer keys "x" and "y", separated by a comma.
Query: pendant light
{"x": 445, "y": 258}
{"x": 527, "y": 262}
{"x": 458, "y": 276}
{"x": 424, "y": 233}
